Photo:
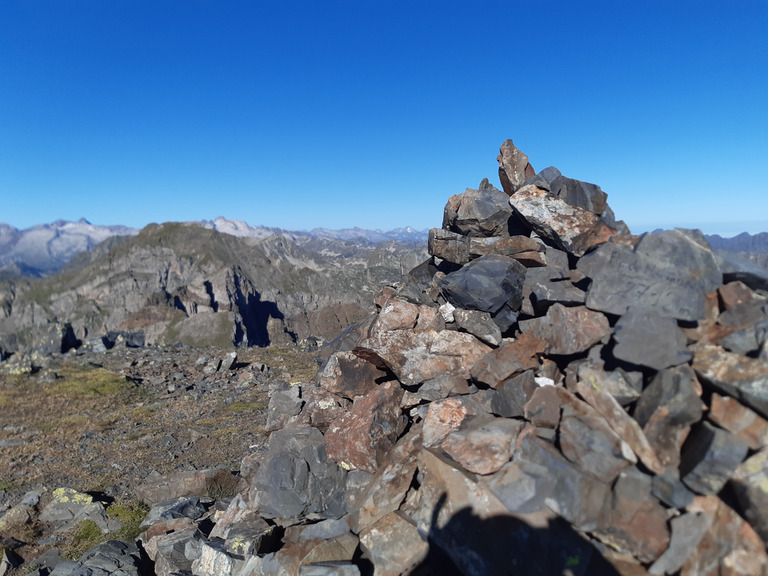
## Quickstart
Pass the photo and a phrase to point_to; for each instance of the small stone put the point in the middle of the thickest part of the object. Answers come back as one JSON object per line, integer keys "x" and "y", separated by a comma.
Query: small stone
{"x": 543, "y": 409}
{"x": 510, "y": 399}
{"x": 442, "y": 418}
{"x": 483, "y": 212}
{"x": 669, "y": 489}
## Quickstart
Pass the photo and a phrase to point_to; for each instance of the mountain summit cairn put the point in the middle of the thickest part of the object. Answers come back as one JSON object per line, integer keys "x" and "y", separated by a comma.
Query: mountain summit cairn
{"x": 546, "y": 394}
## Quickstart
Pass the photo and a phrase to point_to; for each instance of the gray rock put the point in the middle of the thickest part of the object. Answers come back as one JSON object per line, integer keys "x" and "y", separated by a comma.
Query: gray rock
{"x": 581, "y": 194}
{"x": 687, "y": 532}
{"x": 478, "y": 213}
{"x": 487, "y": 284}
{"x": 544, "y": 178}
{"x": 669, "y": 489}
{"x": 509, "y": 400}
{"x": 539, "y": 477}
{"x": 668, "y": 272}
{"x": 710, "y": 457}
{"x": 285, "y": 402}
{"x": 182, "y": 507}
{"x": 479, "y": 324}
{"x": 588, "y": 441}
{"x": 735, "y": 267}
{"x": 666, "y": 409}
{"x": 751, "y": 486}
{"x": 297, "y": 480}
{"x": 329, "y": 569}
{"x": 647, "y": 339}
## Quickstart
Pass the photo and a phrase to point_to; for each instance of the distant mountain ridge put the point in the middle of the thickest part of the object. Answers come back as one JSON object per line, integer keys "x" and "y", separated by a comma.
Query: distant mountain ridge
{"x": 43, "y": 249}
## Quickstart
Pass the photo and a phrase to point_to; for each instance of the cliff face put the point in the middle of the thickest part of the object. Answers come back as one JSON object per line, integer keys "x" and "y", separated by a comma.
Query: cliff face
{"x": 182, "y": 282}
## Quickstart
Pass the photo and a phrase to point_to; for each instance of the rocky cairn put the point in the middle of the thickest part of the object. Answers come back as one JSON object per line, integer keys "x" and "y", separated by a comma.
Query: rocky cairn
{"x": 547, "y": 394}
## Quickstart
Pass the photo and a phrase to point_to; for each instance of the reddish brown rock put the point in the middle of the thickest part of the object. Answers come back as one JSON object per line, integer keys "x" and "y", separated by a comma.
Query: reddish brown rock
{"x": 573, "y": 229}
{"x": 568, "y": 330}
{"x": 394, "y": 545}
{"x": 397, "y": 315}
{"x": 633, "y": 520}
{"x": 508, "y": 360}
{"x": 388, "y": 487}
{"x": 430, "y": 318}
{"x": 735, "y": 294}
{"x": 622, "y": 423}
{"x": 362, "y": 438}
{"x": 415, "y": 356}
{"x": 322, "y": 407}
{"x": 728, "y": 413}
{"x": 442, "y": 418}
{"x": 514, "y": 167}
{"x": 730, "y": 546}
{"x": 482, "y": 444}
{"x": 707, "y": 330}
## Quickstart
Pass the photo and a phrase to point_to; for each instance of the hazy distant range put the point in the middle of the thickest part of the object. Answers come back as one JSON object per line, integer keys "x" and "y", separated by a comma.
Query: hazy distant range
{"x": 43, "y": 249}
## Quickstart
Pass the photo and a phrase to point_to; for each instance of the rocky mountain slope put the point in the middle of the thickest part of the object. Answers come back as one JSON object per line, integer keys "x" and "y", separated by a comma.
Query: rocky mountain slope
{"x": 184, "y": 283}
{"x": 546, "y": 394}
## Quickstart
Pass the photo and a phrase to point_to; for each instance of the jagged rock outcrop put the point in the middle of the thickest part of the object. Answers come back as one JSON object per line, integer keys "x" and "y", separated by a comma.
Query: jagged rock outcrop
{"x": 613, "y": 434}
{"x": 184, "y": 283}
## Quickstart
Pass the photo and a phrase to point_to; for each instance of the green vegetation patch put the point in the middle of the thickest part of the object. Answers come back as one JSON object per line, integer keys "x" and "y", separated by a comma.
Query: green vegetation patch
{"x": 241, "y": 406}
{"x": 85, "y": 381}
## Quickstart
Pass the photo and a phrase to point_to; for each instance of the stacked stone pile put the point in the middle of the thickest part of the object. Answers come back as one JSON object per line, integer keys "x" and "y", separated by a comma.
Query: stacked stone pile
{"x": 548, "y": 394}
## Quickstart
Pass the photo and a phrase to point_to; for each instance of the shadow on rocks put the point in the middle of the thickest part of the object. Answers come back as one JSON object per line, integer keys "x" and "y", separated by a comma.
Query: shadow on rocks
{"x": 508, "y": 546}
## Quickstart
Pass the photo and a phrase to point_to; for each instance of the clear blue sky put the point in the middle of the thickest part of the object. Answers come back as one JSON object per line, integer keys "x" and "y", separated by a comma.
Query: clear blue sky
{"x": 373, "y": 112}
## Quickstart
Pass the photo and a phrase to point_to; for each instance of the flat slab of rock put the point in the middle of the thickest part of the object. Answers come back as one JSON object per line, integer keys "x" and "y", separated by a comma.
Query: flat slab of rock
{"x": 573, "y": 229}
{"x": 418, "y": 356}
{"x": 730, "y": 414}
{"x": 394, "y": 544}
{"x": 460, "y": 249}
{"x": 668, "y": 272}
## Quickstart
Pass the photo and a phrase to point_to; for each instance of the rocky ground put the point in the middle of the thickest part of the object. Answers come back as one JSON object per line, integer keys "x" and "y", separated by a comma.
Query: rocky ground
{"x": 102, "y": 422}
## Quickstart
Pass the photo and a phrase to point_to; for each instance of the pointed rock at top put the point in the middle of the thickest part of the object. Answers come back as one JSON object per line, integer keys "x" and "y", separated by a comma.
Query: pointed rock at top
{"x": 514, "y": 167}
